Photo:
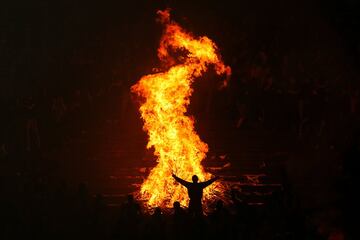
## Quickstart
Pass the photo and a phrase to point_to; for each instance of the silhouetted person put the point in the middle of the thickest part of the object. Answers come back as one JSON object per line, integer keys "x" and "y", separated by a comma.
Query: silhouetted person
{"x": 195, "y": 191}
{"x": 179, "y": 218}
{"x": 156, "y": 227}
{"x": 220, "y": 210}
{"x": 220, "y": 228}
{"x": 99, "y": 208}
{"x": 98, "y": 217}
{"x": 129, "y": 220}
{"x": 179, "y": 212}
{"x": 157, "y": 216}
{"x": 131, "y": 209}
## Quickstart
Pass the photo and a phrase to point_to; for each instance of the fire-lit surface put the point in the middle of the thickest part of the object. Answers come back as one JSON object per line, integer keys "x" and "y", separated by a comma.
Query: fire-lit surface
{"x": 165, "y": 97}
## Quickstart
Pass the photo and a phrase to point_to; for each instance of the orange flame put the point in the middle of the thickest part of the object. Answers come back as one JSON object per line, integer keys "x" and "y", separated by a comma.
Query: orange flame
{"x": 166, "y": 96}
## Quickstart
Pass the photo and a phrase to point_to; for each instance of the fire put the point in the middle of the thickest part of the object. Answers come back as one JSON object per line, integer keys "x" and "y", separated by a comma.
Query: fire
{"x": 165, "y": 97}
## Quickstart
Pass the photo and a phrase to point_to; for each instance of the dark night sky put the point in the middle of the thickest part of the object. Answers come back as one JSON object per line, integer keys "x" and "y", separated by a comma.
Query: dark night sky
{"x": 62, "y": 44}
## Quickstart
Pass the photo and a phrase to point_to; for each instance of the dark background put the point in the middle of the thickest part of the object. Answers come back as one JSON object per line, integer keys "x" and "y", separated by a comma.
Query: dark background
{"x": 288, "y": 120}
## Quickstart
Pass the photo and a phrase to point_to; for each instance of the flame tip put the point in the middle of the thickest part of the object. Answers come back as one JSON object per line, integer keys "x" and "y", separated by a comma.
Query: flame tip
{"x": 164, "y": 15}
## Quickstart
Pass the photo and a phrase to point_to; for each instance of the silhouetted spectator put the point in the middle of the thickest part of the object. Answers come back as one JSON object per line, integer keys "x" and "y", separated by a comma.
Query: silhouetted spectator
{"x": 130, "y": 219}
{"x": 131, "y": 209}
{"x": 220, "y": 222}
{"x": 179, "y": 213}
{"x": 99, "y": 223}
{"x": 195, "y": 192}
{"x": 179, "y": 218}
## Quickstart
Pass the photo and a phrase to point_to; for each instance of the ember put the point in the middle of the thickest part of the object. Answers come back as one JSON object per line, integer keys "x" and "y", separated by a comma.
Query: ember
{"x": 165, "y": 97}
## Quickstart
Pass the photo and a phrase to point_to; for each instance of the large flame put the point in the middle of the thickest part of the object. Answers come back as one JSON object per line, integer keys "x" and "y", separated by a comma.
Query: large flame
{"x": 166, "y": 96}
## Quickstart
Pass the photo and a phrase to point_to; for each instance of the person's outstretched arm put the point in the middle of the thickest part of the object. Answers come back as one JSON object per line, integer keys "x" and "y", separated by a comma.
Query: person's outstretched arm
{"x": 208, "y": 182}
{"x": 181, "y": 181}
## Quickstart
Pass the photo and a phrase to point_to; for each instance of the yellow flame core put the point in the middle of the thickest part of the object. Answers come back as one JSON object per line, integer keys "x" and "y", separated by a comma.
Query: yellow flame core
{"x": 166, "y": 96}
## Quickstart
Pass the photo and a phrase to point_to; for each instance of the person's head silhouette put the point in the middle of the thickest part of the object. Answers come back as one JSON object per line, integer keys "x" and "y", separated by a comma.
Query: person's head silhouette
{"x": 195, "y": 179}
{"x": 176, "y": 205}
{"x": 157, "y": 212}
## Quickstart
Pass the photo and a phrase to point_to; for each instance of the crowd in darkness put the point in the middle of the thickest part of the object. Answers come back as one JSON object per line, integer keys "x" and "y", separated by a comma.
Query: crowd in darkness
{"x": 38, "y": 210}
